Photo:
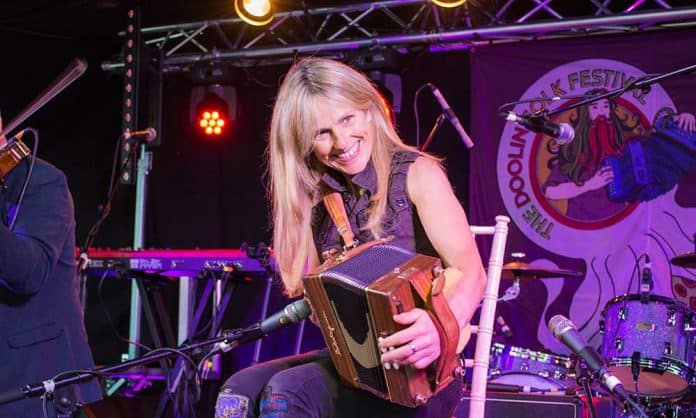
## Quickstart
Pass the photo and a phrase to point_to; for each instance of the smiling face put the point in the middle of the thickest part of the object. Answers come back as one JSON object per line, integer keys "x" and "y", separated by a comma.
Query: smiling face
{"x": 342, "y": 136}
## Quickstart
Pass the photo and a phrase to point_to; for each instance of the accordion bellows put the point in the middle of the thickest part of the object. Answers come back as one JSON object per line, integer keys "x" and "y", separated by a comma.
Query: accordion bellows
{"x": 354, "y": 297}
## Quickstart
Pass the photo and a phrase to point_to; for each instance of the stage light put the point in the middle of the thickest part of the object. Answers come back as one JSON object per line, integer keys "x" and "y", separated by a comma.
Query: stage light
{"x": 254, "y": 12}
{"x": 212, "y": 115}
{"x": 213, "y": 101}
{"x": 449, "y": 4}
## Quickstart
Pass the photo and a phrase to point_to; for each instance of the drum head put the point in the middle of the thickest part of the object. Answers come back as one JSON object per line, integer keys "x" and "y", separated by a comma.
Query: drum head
{"x": 652, "y": 383}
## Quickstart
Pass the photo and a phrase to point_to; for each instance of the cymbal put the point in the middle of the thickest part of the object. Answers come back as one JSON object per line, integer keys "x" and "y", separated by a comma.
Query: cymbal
{"x": 522, "y": 270}
{"x": 685, "y": 260}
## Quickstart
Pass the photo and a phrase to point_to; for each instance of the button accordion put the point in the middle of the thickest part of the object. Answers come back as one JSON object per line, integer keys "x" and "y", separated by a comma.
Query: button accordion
{"x": 354, "y": 295}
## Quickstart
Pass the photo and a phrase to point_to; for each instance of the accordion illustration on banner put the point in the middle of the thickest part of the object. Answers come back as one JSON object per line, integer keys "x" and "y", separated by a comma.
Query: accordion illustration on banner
{"x": 652, "y": 166}
{"x": 354, "y": 296}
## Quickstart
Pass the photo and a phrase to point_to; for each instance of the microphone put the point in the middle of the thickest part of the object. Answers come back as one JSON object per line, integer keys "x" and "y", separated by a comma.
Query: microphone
{"x": 504, "y": 328}
{"x": 563, "y": 132}
{"x": 147, "y": 134}
{"x": 451, "y": 116}
{"x": 292, "y": 313}
{"x": 565, "y": 331}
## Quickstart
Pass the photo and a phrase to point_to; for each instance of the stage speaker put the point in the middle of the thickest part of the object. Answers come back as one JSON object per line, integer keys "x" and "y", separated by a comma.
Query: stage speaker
{"x": 524, "y": 405}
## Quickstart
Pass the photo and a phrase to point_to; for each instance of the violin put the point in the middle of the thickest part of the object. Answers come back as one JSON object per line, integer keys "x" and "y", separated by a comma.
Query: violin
{"x": 11, "y": 155}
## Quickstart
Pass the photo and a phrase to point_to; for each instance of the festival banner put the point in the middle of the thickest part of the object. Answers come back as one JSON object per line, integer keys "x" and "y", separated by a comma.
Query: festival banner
{"x": 616, "y": 204}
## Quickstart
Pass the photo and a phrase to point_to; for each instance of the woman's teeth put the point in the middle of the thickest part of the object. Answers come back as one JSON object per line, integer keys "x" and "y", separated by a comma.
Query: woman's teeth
{"x": 351, "y": 152}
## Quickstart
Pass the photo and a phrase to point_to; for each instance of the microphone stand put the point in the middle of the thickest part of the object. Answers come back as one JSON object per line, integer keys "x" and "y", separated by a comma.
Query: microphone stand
{"x": 620, "y": 393}
{"x": 584, "y": 379}
{"x": 49, "y": 386}
{"x": 642, "y": 83}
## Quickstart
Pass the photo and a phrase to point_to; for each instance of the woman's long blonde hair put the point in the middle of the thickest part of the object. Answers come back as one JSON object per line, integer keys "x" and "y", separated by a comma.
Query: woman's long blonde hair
{"x": 294, "y": 171}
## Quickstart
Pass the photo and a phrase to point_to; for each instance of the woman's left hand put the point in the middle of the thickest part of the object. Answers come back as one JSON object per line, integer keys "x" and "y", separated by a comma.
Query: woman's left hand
{"x": 417, "y": 345}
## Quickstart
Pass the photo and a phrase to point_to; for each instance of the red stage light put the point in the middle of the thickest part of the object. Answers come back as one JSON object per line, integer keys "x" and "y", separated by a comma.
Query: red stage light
{"x": 212, "y": 111}
{"x": 212, "y": 118}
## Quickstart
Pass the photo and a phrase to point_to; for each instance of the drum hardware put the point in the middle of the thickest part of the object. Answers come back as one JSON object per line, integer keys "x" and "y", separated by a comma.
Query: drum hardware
{"x": 646, "y": 282}
{"x": 622, "y": 313}
{"x": 521, "y": 270}
{"x": 635, "y": 369}
{"x": 647, "y": 326}
{"x": 685, "y": 260}
{"x": 518, "y": 270}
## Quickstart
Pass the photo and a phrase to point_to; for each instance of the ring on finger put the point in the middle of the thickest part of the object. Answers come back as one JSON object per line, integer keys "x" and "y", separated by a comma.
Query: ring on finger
{"x": 412, "y": 346}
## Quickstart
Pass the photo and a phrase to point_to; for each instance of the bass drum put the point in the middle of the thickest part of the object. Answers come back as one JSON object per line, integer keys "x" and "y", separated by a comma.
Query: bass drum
{"x": 653, "y": 337}
{"x": 535, "y": 371}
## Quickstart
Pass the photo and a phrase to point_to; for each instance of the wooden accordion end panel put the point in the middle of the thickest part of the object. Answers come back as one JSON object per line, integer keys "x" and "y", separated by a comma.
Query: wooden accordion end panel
{"x": 354, "y": 297}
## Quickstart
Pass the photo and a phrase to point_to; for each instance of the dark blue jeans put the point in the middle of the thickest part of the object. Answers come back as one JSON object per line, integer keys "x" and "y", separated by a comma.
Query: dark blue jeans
{"x": 307, "y": 385}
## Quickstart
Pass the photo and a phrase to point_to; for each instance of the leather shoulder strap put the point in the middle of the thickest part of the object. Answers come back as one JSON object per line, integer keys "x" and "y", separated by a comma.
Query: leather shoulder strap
{"x": 334, "y": 205}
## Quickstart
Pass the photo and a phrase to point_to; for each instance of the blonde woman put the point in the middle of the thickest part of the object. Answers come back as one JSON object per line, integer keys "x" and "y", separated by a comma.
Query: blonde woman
{"x": 331, "y": 130}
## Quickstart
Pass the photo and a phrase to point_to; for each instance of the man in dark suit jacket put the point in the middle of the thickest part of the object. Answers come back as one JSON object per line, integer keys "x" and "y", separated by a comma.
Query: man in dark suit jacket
{"x": 42, "y": 331}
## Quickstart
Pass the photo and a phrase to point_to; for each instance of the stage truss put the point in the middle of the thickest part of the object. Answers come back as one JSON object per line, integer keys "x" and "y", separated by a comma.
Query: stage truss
{"x": 405, "y": 25}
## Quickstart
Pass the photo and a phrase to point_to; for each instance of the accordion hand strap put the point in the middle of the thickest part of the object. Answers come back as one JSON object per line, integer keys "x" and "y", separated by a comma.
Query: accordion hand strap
{"x": 445, "y": 322}
{"x": 334, "y": 205}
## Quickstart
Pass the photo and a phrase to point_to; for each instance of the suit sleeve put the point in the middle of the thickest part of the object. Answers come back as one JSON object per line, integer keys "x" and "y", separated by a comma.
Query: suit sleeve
{"x": 29, "y": 252}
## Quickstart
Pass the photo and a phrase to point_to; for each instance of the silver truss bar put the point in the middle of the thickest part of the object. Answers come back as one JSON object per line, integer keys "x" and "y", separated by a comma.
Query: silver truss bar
{"x": 394, "y": 17}
{"x": 264, "y": 33}
{"x": 502, "y": 10}
{"x": 323, "y": 25}
{"x": 198, "y": 44}
{"x": 477, "y": 34}
{"x": 426, "y": 25}
{"x": 467, "y": 16}
{"x": 228, "y": 43}
{"x": 185, "y": 40}
{"x": 493, "y": 17}
{"x": 601, "y": 7}
{"x": 415, "y": 17}
{"x": 349, "y": 8}
{"x": 436, "y": 15}
{"x": 351, "y": 23}
{"x": 548, "y": 8}
{"x": 531, "y": 13}
{"x": 240, "y": 37}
